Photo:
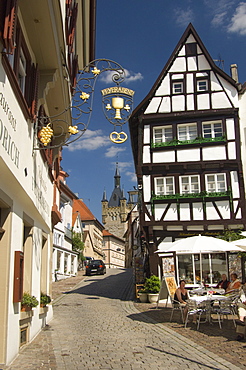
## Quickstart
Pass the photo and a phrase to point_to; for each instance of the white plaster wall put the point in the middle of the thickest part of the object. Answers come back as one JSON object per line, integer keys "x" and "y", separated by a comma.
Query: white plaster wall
{"x": 203, "y": 101}
{"x": 179, "y": 65}
{"x": 230, "y": 129}
{"x": 214, "y": 153}
{"x": 235, "y": 204}
{"x": 239, "y": 214}
{"x": 220, "y": 100}
{"x": 178, "y": 103}
{"x": 153, "y": 105}
{"x": 146, "y": 134}
{"x": 224, "y": 208}
{"x": 182, "y": 51}
{"x": 188, "y": 155}
{"x": 149, "y": 209}
{"x": 146, "y": 188}
{"x": 215, "y": 85}
{"x": 190, "y": 39}
{"x": 191, "y": 64}
{"x": 203, "y": 63}
{"x": 231, "y": 91}
{"x": 165, "y": 106}
{"x": 232, "y": 150}
{"x": 184, "y": 212}
{"x": 159, "y": 209}
{"x": 172, "y": 214}
{"x": 189, "y": 83}
{"x": 197, "y": 211}
{"x": 146, "y": 154}
{"x": 164, "y": 88}
{"x": 164, "y": 157}
{"x": 234, "y": 184}
{"x": 211, "y": 212}
{"x": 190, "y": 102}
{"x": 242, "y": 126}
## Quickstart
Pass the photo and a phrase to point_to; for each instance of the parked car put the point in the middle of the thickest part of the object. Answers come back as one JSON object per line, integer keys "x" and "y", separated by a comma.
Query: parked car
{"x": 95, "y": 267}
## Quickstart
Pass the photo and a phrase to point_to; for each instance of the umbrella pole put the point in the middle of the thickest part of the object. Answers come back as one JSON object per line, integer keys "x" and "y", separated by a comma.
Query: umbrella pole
{"x": 201, "y": 267}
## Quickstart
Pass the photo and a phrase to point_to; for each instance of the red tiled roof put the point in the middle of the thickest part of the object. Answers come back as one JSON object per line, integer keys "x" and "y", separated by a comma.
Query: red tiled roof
{"x": 107, "y": 233}
{"x": 85, "y": 213}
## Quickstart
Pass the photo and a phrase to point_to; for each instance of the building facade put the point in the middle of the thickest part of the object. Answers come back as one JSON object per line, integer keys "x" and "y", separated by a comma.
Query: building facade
{"x": 36, "y": 42}
{"x": 186, "y": 139}
{"x": 114, "y": 250}
{"x": 92, "y": 231}
{"x": 64, "y": 258}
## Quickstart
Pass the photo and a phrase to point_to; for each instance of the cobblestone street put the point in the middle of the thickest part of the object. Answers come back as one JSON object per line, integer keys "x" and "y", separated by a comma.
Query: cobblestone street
{"x": 97, "y": 326}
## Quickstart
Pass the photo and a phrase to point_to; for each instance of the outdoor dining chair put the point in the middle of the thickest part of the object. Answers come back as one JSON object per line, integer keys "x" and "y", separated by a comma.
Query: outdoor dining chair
{"x": 177, "y": 306}
{"x": 197, "y": 310}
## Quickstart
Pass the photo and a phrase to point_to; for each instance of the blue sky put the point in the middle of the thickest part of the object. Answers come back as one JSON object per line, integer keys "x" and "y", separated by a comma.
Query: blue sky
{"x": 141, "y": 35}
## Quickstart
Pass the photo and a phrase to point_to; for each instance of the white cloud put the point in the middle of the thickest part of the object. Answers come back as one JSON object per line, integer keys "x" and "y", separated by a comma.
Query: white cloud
{"x": 113, "y": 151}
{"x": 238, "y": 21}
{"x": 183, "y": 17}
{"x": 218, "y": 19}
{"x": 91, "y": 140}
{"x": 106, "y": 77}
{"x": 132, "y": 176}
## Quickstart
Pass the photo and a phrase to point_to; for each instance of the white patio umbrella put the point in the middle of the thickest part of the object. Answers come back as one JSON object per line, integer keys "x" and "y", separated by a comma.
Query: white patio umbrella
{"x": 202, "y": 244}
{"x": 240, "y": 243}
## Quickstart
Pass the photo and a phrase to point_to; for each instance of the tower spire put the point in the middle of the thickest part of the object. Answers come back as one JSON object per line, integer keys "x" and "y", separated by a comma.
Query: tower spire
{"x": 117, "y": 177}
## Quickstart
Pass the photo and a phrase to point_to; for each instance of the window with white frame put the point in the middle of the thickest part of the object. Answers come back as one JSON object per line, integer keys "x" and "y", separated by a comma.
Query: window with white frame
{"x": 187, "y": 132}
{"x": 202, "y": 85}
{"x": 189, "y": 184}
{"x": 163, "y": 134}
{"x": 212, "y": 129}
{"x": 164, "y": 185}
{"x": 215, "y": 182}
{"x": 178, "y": 87}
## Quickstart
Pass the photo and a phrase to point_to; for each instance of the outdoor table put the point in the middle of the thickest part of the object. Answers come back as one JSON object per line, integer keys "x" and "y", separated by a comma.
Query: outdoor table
{"x": 206, "y": 290}
{"x": 208, "y": 299}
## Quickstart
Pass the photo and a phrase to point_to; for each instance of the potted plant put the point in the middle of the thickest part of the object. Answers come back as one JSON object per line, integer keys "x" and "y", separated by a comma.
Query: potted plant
{"x": 44, "y": 299}
{"x": 28, "y": 302}
{"x": 143, "y": 295}
{"x": 152, "y": 286}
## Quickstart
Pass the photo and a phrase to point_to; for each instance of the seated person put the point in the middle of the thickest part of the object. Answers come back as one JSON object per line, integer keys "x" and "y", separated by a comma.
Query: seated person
{"x": 242, "y": 314}
{"x": 181, "y": 295}
{"x": 223, "y": 284}
{"x": 234, "y": 284}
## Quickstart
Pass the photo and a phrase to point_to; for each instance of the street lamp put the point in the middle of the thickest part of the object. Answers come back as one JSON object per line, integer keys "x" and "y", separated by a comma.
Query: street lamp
{"x": 55, "y": 131}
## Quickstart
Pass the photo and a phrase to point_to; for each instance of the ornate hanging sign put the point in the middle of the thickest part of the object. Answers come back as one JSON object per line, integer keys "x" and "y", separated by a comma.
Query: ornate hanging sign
{"x": 117, "y": 106}
{"x": 55, "y": 131}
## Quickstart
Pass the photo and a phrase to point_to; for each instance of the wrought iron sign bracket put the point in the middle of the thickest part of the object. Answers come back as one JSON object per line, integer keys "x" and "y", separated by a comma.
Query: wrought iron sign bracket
{"x": 55, "y": 131}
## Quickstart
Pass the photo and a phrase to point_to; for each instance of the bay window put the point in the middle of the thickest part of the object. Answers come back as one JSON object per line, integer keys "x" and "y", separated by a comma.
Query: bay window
{"x": 163, "y": 134}
{"x": 215, "y": 182}
{"x": 212, "y": 129}
{"x": 164, "y": 185}
{"x": 189, "y": 184}
{"x": 187, "y": 132}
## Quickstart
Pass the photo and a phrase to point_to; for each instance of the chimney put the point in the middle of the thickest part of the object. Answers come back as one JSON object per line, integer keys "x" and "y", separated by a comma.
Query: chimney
{"x": 234, "y": 73}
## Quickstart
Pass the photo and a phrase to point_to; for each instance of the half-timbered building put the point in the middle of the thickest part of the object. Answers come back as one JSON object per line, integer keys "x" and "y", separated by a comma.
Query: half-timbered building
{"x": 185, "y": 139}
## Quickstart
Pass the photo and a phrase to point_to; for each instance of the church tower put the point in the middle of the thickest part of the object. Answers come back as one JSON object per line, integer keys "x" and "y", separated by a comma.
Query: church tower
{"x": 115, "y": 211}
